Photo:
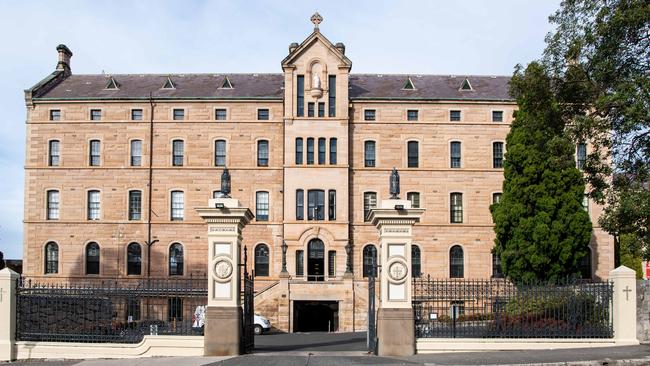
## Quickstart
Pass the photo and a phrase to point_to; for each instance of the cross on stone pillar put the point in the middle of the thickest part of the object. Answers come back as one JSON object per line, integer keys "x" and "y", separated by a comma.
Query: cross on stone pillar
{"x": 627, "y": 291}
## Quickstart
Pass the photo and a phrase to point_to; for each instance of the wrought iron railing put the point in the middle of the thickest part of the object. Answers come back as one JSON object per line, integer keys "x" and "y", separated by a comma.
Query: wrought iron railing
{"x": 119, "y": 311}
{"x": 496, "y": 308}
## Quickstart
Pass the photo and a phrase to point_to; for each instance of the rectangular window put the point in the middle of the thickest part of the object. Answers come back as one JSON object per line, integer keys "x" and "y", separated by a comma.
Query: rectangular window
{"x": 55, "y": 115}
{"x": 455, "y": 154}
{"x": 331, "y": 263}
{"x": 497, "y": 155}
{"x": 52, "y": 205}
{"x": 179, "y": 114}
{"x": 333, "y": 151}
{"x": 331, "y": 205}
{"x": 178, "y": 150}
{"x": 262, "y": 206}
{"x": 321, "y": 151}
{"x": 300, "y": 263}
{"x": 585, "y": 202}
{"x": 299, "y": 151}
{"x": 136, "y": 152}
{"x": 315, "y": 204}
{"x": 220, "y": 153}
{"x": 412, "y": 115}
{"x": 414, "y": 197}
{"x": 263, "y": 114}
{"x": 310, "y": 109}
{"x": 369, "y": 115}
{"x": 413, "y": 154}
{"x": 369, "y": 154}
{"x": 300, "y": 99}
{"x": 321, "y": 109}
{"x": 581, "y": 155}
{"x": 94, "y": 152}
{"x": 95, "y": 114}
{"x": 132, "y": 309}
{"x": 331, "y": 84}
{"x": 496, "y": 197}
{"x": 178, "y": 206}
{"x": 93, "y": 205}
{"x": 300, "y": 204}
{"x": 310, "y": 151}
{"x": 454, "y": 116}
{"x": 136, "y": 114}
{"x": 174, "y": 309}
{"x": 135, "y": 205}
{"x": 54, "y": 153}
{"x": 262, "y": 153}
{"x": 497, "y": 116}
{"x": 220, "y": 114}
{"x": 456, "y": 208}
{"x": 369, "y": 202}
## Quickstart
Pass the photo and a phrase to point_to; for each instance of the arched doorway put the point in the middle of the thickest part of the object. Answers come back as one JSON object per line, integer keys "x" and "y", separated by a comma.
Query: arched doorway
{"x": 316, "y": 260}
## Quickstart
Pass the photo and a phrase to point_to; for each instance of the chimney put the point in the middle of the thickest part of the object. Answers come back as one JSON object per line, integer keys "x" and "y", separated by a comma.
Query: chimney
{"x": 64, "y": 59}
{"x": 341, "y": 47}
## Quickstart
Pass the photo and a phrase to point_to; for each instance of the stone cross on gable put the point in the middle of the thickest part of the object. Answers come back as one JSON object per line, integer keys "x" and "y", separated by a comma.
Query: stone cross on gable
{"x": 316, "y": 19}
{"x": 627, "y": 291}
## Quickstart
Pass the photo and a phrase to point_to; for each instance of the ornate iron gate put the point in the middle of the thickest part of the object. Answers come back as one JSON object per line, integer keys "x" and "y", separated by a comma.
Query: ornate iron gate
{"x": 248, "y": 323}
{"x": 372, "y": 322}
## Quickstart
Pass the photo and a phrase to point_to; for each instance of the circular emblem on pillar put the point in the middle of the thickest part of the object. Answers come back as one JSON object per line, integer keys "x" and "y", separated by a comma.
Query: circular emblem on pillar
{"x": 223, "y": 269}
{"x": 397, "y": 271}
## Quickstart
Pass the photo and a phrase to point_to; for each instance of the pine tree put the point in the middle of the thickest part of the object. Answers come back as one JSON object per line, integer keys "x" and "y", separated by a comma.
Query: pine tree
{"x": 542, "y": 230}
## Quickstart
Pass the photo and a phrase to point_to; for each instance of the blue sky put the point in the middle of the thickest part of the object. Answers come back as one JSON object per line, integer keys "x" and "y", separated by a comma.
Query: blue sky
{"x": 424, "y": 37}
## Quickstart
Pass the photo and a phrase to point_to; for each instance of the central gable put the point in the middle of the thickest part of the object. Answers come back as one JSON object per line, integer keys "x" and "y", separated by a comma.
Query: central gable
{"x": 317, "y": 46}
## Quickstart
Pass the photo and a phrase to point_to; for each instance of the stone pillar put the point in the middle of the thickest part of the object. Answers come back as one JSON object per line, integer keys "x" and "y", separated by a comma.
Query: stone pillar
{"x": 395, "y": 321}
{"x": 223, "y": 315}
{"x": 8, "y": 279}
{"x": 624, "y": 305}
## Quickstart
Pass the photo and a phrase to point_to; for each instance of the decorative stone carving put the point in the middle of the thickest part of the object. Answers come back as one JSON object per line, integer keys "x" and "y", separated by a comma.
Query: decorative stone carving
{"x": 225, "y": 183}
{"x": 397, "y": 271}
{"x": 223, "y": 269}
{"x": 316, "y": 19}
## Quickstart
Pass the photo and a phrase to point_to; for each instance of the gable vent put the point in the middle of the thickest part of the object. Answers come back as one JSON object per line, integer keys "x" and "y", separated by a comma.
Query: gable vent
{"x": 112, "y": 84}
{"x": 408, "y": 85}
{"x": 169, "y": 84}
{"x": 226, "y": 84}
{"x": 466, "y": 85}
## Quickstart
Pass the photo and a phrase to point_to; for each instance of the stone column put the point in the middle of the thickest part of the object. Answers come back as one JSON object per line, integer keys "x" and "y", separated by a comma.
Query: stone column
{"x": 8, "y": 280}
{"x": 624, "y": 305}
{"x": 223, "y": 315}
{"x": 395, "y": 321}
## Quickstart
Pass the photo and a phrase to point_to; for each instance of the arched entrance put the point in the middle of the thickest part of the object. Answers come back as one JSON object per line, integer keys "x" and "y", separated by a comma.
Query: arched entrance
{"x": 315, "y": 260}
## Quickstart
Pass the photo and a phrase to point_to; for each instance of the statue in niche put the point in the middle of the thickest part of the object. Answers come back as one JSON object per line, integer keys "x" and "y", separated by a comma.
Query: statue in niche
{"x": 394, "y": 184}
{"x": 225, "y": 183}
{"x": 315, "y": 81}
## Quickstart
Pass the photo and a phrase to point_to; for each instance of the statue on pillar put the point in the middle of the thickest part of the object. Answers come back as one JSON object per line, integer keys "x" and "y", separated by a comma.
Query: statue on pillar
{"x": 348, "y": 260}
{"x": 394, "y": 184}
{"x": 225, "y": 183}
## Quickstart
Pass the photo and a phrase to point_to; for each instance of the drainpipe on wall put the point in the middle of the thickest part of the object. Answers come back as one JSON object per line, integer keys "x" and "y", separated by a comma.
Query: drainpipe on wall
{"x": 149, "y": 242}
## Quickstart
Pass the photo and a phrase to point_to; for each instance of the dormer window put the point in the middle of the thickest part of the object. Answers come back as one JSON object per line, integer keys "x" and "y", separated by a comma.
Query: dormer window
{"x": 112, "y": 84}
{"x": 408, "y": 85}
{"x": 226, "y": 84}
{"x": 466, "y": 86}
{"x": 169, "y": 84}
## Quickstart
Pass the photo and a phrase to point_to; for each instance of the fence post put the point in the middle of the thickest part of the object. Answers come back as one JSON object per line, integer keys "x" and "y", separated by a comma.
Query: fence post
{"x": 8, "y": 280}
{"x": 624, "y": 303}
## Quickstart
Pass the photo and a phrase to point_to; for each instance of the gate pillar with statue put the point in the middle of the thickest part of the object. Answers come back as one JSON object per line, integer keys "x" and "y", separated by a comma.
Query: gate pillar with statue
{"x": 224, "y": 321}
{"x": 394, "y": 219}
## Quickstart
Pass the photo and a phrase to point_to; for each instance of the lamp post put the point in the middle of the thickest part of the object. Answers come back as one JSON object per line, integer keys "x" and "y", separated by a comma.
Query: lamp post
{"x": 284, "y": 256}
{"x": 348, "y": 259}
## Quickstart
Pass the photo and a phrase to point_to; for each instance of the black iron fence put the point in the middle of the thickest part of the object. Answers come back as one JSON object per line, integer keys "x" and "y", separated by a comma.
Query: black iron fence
{"x": 109, "y": 311}
{"x": 496, "y": 308}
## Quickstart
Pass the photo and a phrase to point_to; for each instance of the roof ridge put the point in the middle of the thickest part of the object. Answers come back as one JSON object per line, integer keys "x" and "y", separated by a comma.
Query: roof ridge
{"x": 417, "y": 74}
{"x": 183, "y": 73}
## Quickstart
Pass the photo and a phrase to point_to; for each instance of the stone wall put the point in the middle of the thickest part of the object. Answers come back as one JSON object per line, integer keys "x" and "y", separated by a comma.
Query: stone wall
{"x": 643, "y": 311}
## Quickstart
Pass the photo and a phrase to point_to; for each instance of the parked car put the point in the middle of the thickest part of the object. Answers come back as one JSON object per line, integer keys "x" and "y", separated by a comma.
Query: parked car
{"x": 262, "y": 325}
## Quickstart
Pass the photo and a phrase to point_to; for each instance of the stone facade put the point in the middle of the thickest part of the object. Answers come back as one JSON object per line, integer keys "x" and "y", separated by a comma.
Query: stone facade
{"x": 75, "y": 96}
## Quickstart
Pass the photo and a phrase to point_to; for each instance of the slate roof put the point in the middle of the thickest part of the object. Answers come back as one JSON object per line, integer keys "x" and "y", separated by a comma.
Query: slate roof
{"x": 270, "y": 86}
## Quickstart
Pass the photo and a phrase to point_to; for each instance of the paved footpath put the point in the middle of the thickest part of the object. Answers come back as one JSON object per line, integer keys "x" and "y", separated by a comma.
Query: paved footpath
{"x": 348, "y": 349}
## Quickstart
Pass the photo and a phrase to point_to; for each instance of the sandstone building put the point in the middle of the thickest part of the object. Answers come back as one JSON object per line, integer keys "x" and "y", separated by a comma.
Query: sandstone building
{"x": 118, "y": 161}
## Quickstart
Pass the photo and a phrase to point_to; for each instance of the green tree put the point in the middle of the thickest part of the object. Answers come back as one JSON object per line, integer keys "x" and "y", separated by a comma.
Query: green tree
{"x": 631, "y": 254}
{"x": 599, "y": 59}
{"x": 542, "y": 230}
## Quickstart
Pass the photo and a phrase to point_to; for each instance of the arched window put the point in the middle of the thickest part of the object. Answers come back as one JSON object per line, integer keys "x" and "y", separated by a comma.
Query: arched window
{"x": 92, "y": 259}
{"x": 133, "y": 259}
{"x": 416, "y": 261}
{"x": 178, "y": 152}
{"x": 497, "y": 154}
{"x": 299, "y": 151}
{"x": 585, "y": 266}
{"x": 220, "y": 153}
{"x": 51, "y": 258}
{"x": 413, "y": 154}
{"x": 369, "y": 154}
{"x": 176, "y": 260}
{"x": 456, "y": 262}
{"x": 261, "y": 260}
{"x": 369, "y": 261}
{"x": 262, "y": 153}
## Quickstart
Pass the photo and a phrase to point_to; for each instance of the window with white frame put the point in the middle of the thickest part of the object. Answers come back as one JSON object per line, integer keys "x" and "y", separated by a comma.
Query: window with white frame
{"x": 93, "y": 205}
{"x": 136, "y": 152}
{"x": 220, "y": 153}
{"x": 262, "y": 206}
{"x": 53, "y": 202}
{"x": 54, "y": 157}
{"x": 177, "y": 205}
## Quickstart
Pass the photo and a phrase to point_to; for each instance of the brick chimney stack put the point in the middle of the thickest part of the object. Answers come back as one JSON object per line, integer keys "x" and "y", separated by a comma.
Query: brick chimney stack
{"x": 64, "y": 59}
